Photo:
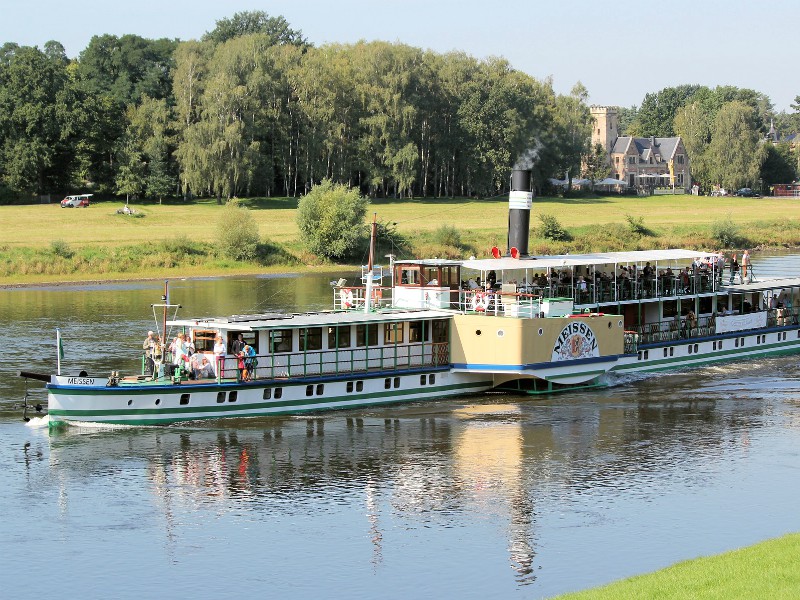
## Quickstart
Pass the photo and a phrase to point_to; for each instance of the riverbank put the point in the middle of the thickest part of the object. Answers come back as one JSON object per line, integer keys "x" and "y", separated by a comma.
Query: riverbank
{"x": 765, "y": 570}
{"x": 47, "y": 244}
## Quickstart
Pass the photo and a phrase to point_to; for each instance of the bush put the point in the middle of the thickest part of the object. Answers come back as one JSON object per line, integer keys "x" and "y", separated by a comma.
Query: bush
{"x": 447, "y": 235}
{"x": 637, "y": 226}
{"x": 551, "y": 229}
{"x": 726, "y": 233}
{"x": 331, "y": 220}
{"x": 237, "y": 233}
{"x": 61, "y": 248}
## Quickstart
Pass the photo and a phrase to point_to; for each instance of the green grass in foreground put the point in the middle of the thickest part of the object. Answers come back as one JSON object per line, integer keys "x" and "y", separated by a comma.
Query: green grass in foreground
{"x": 766, "y": 570}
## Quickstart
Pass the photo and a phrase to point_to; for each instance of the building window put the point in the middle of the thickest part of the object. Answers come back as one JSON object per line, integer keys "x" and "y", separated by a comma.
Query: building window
{"x": 631, "y": 160}
{"x": 311, "y": 339}
{"x": 679, "y": 158}
{"x": 367, "y": 335}
{"x": 616, "y": 160}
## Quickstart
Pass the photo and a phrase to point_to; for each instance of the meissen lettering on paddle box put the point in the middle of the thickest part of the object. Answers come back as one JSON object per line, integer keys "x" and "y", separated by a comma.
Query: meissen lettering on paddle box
{"x": 576, "y": 340}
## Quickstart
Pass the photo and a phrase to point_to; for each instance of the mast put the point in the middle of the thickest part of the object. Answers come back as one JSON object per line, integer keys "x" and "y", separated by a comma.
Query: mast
{"x": 372, "y": 235}
{"x": 164, "y": 327}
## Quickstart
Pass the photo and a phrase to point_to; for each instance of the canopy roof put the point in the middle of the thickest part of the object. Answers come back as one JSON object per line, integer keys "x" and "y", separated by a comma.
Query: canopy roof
{"x": 665, "y": 257}
{"x": 765, "y": 285}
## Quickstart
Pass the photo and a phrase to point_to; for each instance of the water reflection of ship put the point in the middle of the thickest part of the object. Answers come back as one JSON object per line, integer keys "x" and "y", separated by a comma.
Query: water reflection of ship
{"x": 489, "y": 461}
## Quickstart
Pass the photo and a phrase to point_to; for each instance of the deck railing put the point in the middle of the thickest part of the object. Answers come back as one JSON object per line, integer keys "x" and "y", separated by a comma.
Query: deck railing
{"x": 342, "y": 361}
{"x": 675, "y": 329}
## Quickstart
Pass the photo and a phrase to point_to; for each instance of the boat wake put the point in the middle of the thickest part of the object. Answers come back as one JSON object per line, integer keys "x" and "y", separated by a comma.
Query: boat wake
{"x": 39, "y": 422}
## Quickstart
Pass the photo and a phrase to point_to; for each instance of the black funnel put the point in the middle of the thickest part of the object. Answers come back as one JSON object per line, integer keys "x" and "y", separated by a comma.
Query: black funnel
{"x": 519, "y": 211}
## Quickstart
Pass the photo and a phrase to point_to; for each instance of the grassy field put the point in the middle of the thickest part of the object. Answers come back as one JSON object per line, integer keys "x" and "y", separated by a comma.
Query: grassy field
{"x": 38, "y": 225}
{"x": 766, "y": 570}
{"x": 110, "y": 245}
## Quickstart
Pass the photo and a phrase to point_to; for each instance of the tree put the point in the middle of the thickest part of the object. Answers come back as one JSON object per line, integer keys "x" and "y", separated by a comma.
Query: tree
{"x": 779, "y": 166}
{"x": 735, "y": 154}
{"x": 331, "y": 220}
{"x": 572, "y": 131}
{"x": 596, "y": 166}
{"x": 257, "y": 21}
{"x": 656, "y": 114}
{"x": 237, "y": 232}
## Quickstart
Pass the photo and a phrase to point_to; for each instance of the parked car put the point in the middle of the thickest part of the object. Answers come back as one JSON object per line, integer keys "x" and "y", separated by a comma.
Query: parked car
{"x": 746, "y": 193}
{"x": 81, "y": 201}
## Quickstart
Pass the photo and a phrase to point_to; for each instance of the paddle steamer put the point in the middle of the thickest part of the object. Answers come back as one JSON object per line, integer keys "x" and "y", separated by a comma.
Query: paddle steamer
{"x": 438, "y": 328}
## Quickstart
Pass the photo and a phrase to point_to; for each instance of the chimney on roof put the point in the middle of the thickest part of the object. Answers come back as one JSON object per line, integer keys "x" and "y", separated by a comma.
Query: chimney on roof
{"x": 519, "y": 210}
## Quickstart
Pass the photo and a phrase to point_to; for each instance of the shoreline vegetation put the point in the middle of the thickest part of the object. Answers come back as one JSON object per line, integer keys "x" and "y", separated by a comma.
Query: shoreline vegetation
{"x": 44, "y": 244}
{"x": 764, "y": 570}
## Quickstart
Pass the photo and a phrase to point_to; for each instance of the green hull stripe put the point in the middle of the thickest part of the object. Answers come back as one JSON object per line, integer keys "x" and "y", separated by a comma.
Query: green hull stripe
{"x": 308, "y": 404}
{"x": 713, "y": 356}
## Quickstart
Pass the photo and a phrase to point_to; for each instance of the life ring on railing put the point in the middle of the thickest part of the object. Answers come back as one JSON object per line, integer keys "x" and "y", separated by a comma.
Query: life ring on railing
{"x": 346, "y": 295}
{"x": 480, "y": 302}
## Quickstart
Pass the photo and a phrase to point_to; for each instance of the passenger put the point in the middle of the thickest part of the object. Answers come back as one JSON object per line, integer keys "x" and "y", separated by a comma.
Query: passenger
{"x": 691, "y": 322}
{"x": 238, "y": 345}
{"x": 189, "y": 345}
{"x": 734, "y": 268}
{"x": 149, "y": 346}
{"x": 745, "y": 265}
{"x": 249, "y": 354}
{"x": 202, "y": 368}
{"x": 219, "y": 355}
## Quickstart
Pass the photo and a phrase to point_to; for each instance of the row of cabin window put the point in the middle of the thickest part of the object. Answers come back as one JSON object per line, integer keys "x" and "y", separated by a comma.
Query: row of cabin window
{"x": 309, "y": 339}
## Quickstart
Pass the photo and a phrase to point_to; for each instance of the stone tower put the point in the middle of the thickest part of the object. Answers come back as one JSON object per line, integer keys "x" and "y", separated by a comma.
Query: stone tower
{"x": 605, "y": 128}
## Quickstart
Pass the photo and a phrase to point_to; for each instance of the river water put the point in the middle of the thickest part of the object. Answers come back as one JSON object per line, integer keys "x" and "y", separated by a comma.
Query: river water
{"x": 486, "y": 496}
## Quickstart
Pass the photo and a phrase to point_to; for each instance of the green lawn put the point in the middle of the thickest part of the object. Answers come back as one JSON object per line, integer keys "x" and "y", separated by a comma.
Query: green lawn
{"x": 767, "y": 570}
{"x": 38, "y": 225}
{"x": 102, "y": 244}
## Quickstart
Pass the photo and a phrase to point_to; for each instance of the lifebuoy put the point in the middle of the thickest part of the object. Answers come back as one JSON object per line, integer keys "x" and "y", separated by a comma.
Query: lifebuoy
{"x": 346, "y": 295}
{"x": 480, "y": 302}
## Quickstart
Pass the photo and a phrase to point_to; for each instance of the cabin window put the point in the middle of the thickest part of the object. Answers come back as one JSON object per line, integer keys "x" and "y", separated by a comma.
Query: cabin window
{"x": 204, "y": 340}
{"x": 278, "y": 393}
{"x": 233, "y": 396}
{"x": 431, "y": 276}
{"x": 441, "y": 330}
{"x": 359, "y": 386}
{"x": 409, "y": 276}
{"x": 705, "y": 305}
{"x": 397, "y": 382}
{"x": 267, "y": 394}
{"x": 367, "y": 335}
{"x": 320, "y": 389}
{"x": 393, "y": 333}
{"x": 431, "y": 379}
{"x": 417, "y": 332}
{"x": 249, "y": 338}
{"x": 339, "y": 337}
{"x": 310, "y": 339}
{"x": 670, "y": 308}
{"x": 220, "y": 397}
{"x": 349, "y": 387}
{"x": 309, "y": 390}
{"x": 184, "y": 399}
{"x": 280, "y": 340}
{"x": 423, "y": 380}
{"x": 387, "y": 384}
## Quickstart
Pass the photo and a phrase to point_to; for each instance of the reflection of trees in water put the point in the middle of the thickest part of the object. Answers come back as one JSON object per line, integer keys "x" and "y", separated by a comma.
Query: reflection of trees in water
{"x": 497, "y": 463}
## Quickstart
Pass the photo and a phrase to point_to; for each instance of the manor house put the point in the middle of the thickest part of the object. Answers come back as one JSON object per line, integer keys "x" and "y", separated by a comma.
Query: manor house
{"x": 647, "y": 162}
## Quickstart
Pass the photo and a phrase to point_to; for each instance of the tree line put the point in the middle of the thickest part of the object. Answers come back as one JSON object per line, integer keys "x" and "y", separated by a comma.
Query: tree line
{"x": 254, "y": 109}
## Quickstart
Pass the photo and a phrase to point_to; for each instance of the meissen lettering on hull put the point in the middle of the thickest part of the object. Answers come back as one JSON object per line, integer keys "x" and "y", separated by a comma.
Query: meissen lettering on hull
{"x": 576, "y": 340}
{"x": 80, "y": 381}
